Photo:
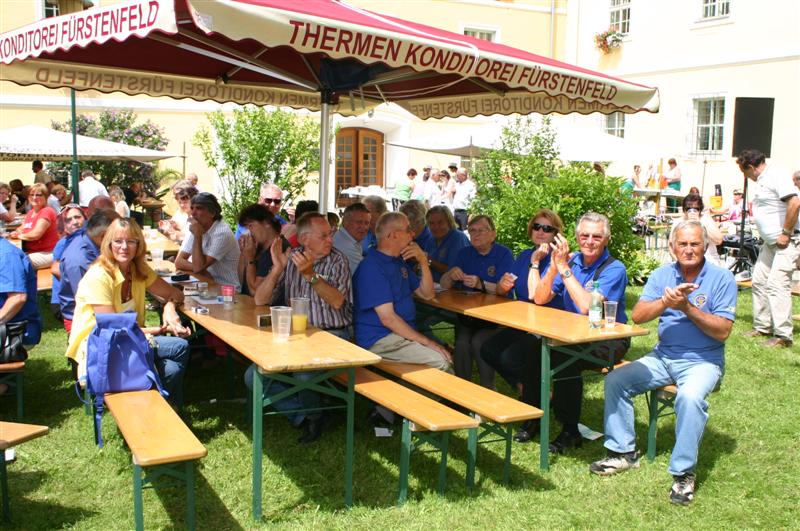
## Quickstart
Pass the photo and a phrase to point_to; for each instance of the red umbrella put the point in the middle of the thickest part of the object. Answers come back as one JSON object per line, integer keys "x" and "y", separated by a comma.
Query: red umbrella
{"x": 317, "y": 54}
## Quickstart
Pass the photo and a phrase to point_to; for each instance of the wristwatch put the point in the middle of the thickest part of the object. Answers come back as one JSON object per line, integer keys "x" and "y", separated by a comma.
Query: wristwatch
{"x": 533, "y": 265}
{"x": 314, "y": 279}
{"x": 786, "y": 232}
{"x": 566, "y": 274}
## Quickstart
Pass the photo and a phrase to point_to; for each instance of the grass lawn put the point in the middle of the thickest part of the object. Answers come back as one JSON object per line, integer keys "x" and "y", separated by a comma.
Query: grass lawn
{"x": 748, "y": 472}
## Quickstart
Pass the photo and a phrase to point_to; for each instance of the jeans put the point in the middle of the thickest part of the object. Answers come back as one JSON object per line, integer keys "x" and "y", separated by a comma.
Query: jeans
{"x": 171, "y": 358}
{"x": 695, "y": 380}
{"x": 304, "y": 399}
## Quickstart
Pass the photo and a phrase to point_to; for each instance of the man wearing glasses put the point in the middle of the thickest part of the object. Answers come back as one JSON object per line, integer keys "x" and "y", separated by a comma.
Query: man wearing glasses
{"x": 270, "y": 196}
{"x": 571, "y": 280}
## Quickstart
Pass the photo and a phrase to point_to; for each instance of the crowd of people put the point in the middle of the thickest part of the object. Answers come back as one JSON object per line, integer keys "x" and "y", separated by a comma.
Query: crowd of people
{"x": 362, "y": 277}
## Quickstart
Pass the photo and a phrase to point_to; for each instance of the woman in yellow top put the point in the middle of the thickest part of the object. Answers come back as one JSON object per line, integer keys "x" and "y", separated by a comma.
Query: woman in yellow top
{"x": 115, "y": 283}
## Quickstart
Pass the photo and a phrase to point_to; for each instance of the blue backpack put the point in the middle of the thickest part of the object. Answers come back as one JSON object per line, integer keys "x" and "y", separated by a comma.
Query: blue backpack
{"x": 118, "y": 359}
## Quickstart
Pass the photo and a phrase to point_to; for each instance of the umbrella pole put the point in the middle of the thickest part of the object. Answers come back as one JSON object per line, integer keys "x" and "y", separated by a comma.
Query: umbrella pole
{"x": 324, "y": 148}
{"x": 75, "y": 192}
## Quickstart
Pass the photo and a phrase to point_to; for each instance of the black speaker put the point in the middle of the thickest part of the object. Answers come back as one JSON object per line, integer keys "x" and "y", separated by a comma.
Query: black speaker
{"x": 752, "y": 125}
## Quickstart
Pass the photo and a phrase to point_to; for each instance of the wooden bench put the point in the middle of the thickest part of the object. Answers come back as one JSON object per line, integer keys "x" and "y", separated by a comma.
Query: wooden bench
{"x": 159, "y": 441}
{"x": 495, "y": 411}
{"x": 12, "y": 374}
{"x": 420, "y": 414}
{"x": 44, "y": 279}
{"x": 12, "y": 434}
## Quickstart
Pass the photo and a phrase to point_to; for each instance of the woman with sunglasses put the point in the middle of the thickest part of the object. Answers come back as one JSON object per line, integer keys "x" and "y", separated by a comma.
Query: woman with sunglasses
{"x": 39, "y": 232}
{"x": 116, "y": 283}
{"x": 177, "y": 227}
{"x": 483, "y": 266}
{"x": 508, "y": 351}
{"x": 70, "y": 220}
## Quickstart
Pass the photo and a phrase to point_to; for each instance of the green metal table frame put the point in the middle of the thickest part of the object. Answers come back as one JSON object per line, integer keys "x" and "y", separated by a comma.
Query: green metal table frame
{"x": 146, "y": 476}
{"x": 314, "y": 384}
{"x": 4, "y": 487}
{"x": 412, "y": 440}
{"x": 547, "y": 380}
{"x": 504, "y": 431}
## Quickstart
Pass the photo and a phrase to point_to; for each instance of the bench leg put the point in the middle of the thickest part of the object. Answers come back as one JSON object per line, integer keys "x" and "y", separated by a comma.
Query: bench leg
{"x": 20, "y": 396}
{"x": 190, "y": 509}
{"x": 544, "y": 426}
{"x": 258, "y": 421}
{"x": 507, "y": 462}
{"x": 349, "y": 445}
{"x": 405, "y": 457}
{"x": 138, "y": 509}
{"x": 443, "y": 463}
{"x": 472, "y": 453}
{"x": 4, "y": 486}
{"x": 652, "y": 427}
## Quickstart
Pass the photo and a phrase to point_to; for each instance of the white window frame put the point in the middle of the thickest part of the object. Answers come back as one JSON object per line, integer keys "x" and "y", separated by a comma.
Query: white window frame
{"x": 482, "y": 28}
{"x": 614, "y": 124}
{"x": 618, "y": 9}
{"x": 717, "y": 6}
{"x": 53, "y": 5}
{"x": 717, "y": 125}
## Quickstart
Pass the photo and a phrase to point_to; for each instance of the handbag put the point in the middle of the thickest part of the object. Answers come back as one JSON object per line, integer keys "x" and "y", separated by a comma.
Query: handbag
{"x": 11, "y": 335}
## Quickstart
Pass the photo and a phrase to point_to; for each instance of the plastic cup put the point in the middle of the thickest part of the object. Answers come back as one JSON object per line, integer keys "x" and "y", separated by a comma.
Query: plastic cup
{"x": 610, "y": 312}
{"x": 281, "y": 322}
{"x": 299, "y": 314}
{"x": 202, "y": 289}
{"x": 157, "y": 255}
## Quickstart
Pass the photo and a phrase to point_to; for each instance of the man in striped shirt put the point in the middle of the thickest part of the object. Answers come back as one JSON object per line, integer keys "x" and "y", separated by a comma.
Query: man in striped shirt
{"x": 319, "y": 272}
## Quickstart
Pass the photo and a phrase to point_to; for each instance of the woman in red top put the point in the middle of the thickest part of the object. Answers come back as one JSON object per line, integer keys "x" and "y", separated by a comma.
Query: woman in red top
{"x": 39, "y": 233}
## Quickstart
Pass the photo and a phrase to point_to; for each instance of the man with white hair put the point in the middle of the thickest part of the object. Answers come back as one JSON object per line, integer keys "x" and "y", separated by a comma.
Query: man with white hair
{"x": 465, "y": 193}
{"x": 270, "y": 196}
{"x": 695, "y": 303}
{"x": 89, "y": 188}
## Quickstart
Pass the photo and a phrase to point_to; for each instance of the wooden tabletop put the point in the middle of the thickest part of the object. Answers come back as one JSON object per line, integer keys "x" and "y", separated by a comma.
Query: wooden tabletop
{"x": 559, "y": 325}
{"x": 156, "y": 240}
{"x": 151, "y": 202}
{"x": 312, "y": 350}
{"x": 14, "y": 433}
{"x": 459, "y": 301}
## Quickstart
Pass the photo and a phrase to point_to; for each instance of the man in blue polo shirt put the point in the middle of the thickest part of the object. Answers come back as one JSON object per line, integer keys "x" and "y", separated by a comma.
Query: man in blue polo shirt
{"x": 384, "y": 285}
{"x": 696, "y": 303}
{"x": 18, "y": 295}
{"x": 82, "y": 250}
{"x": 571, "y": 280}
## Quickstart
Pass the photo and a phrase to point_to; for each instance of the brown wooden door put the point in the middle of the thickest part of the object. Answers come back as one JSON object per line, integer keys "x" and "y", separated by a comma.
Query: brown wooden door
{"x": 359, "y": 159}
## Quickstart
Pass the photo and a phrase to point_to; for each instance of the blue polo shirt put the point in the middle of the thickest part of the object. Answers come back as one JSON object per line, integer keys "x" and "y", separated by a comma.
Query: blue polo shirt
{"x": 425, "y": 238}
{"x": 679, "y": 337}
{"x": 18, "y": 276}
{"x": 369, "y": 241}
{"x": 77, "y": 257}
{"x": 379, "y": 279}
{"x": 520, "y": 268}
{"x": 613, "y": 280}
{"x": 58, "y": 251}
{"x": 489, "y": 267}
{"x": 447, "y": 251}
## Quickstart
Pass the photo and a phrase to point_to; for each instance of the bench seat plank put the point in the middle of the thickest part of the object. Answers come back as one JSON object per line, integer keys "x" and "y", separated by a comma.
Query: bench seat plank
{"x": 424, "y": 412}
{"x": 488, "y": 404}
{"x": 154, "y": 432}
{"x": 14, "y": 433}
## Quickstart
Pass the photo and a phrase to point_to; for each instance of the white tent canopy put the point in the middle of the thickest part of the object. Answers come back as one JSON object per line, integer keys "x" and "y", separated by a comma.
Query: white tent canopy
{"x": 32, "y": 142}
{"x": 575, "y": 143}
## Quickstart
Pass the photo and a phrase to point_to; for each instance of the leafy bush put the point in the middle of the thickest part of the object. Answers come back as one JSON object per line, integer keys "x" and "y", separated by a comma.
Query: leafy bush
{"x": 115, "y": 126}
{"x": 255, "y": 146}
{"x": 523, "y": 176}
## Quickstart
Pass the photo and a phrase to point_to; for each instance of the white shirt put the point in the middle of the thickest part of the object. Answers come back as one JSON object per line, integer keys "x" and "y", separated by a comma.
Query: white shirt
{"x": 774, "y": 184}
{"x": 220, "y": 244}
{"x": 89, "y": 188}
{"x": 349, "y": 247}
{"x": 465, "y": 193}
{"x": 432, "y": 194}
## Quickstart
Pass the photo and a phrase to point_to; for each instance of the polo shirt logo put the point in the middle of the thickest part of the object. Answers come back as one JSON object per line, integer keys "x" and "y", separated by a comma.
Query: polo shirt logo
{"x": 404, "y": 272}
{"x": 442, "y": 253}
{"x": 588, "y": 285}
{"x": 491, "y": 271}
{"x": 700, "y": 300}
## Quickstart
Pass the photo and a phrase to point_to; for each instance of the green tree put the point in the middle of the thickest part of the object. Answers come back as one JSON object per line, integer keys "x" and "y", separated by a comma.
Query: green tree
{"x": 523, "y": 175}
{"x": 115, "y": 126}
{"x": 254, "y": 146}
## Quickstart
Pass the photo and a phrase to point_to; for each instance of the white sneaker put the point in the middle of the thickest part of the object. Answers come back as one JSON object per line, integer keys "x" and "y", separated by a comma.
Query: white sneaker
{"x": 615, "y": 463}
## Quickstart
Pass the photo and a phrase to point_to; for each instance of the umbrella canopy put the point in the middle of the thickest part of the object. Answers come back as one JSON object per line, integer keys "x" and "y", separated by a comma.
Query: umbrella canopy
{"x": 316, "y": 54}
{"x": 31, "y": 142}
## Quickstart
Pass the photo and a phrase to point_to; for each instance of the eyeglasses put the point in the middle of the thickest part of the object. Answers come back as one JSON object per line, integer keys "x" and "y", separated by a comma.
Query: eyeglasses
{"x": 121, "y": 243}
{"x": 267, "y": 201}
{"x": 476, "y": 232}
{"x": 549, "y": 229}
{"x": 587, "y": 236}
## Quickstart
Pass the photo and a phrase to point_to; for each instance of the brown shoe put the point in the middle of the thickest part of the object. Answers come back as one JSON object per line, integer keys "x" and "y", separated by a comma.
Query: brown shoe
{"x": 778, "y": 342}
{"x": 755, "y": 333}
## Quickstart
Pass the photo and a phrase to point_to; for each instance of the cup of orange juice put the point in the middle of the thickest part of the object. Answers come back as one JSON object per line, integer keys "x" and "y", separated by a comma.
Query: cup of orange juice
{"x": 299, "y": 314}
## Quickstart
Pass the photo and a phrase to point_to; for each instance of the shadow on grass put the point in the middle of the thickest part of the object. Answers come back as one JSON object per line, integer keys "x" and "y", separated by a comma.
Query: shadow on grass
{"x": 35, "y": 514}
{"x": 713, "y": 446}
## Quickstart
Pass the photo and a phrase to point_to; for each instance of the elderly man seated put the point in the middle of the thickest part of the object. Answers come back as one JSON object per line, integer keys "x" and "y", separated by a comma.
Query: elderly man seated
{"x": 695, "y": 302}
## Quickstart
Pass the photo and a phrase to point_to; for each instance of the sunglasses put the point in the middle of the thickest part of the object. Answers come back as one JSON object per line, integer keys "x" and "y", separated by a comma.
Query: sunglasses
{"x": 549, "y": 229}
{"x": 68, "y": 206}
{"x": 267, "y": 201}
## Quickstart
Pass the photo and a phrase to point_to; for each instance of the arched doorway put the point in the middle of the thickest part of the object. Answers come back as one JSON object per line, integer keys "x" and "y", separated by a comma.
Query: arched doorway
{"x": 359, "y": 160}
